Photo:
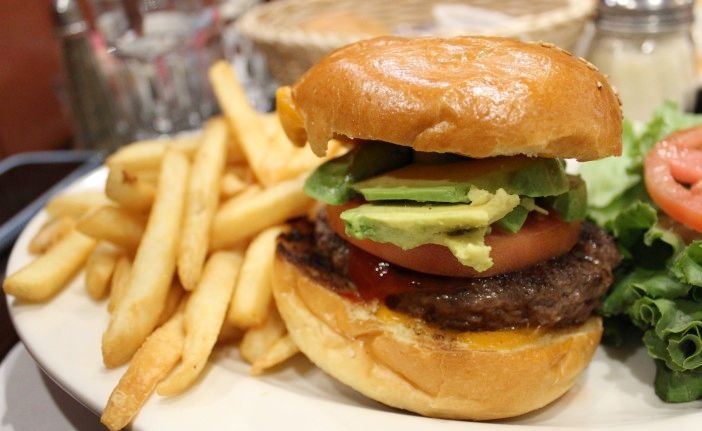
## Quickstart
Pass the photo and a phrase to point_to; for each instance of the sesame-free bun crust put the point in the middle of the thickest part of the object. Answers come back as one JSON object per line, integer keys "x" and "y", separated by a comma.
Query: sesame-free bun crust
{"x": 409, "y": 365}
{"x": 475, "y": 96}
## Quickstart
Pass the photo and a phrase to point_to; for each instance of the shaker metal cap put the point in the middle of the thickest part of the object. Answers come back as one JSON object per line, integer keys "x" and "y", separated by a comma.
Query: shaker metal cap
{"x": 68, "y": 18}
{"x": 644, "y": 16}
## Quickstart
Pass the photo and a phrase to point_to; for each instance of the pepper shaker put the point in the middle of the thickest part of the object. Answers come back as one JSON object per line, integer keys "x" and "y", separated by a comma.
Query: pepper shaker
{"x": 94, "y": 118}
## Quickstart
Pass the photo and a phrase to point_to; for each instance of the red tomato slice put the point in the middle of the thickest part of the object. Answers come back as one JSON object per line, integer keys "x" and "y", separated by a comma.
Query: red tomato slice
{"x": 541, "y": 238}
{"x": 673, "y": 176}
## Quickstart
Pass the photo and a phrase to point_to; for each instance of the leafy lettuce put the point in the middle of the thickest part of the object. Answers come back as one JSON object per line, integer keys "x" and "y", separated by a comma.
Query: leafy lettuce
{"x": 614, "y": 183}
{"x": 657, "y": 294}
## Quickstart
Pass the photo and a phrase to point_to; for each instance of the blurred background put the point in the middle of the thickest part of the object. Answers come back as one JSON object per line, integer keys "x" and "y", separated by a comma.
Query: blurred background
{"x": 95, "y": 74}
{"x": 88, "y": 76}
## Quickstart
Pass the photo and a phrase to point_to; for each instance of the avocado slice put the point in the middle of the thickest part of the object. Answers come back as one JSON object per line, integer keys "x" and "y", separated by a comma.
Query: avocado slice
{"x": 460, "y": 227}
{"x": 450, "y": 182}
{"x": 332, "y": 181}
{"x": 571, "y": 205}
{"x": 514, "y": 221}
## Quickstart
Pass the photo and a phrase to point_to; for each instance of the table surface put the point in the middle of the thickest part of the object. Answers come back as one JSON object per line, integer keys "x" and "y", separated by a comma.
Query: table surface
{"x": 8, "y": 336}
{"x": 30, "y": 400}
{"x": 26, "y": 390}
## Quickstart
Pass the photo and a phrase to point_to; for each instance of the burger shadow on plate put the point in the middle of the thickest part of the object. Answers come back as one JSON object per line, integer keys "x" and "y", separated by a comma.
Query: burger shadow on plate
{"x": 304, "y": 378}
{"x": 554, "y": 409}
{"x": 639, "y": 365}
{"x": 297, "y": 375}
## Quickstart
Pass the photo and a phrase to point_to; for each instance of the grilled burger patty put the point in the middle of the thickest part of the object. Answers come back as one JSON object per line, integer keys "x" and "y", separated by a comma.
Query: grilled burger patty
{"x": 555, "y": 293}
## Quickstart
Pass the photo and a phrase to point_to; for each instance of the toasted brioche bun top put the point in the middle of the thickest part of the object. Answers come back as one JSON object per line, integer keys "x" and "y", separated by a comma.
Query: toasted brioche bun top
{"x": 475, "y": 96}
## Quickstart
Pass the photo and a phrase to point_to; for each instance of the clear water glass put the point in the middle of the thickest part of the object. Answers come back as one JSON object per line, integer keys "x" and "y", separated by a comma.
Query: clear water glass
{"x": 159, "y": 53}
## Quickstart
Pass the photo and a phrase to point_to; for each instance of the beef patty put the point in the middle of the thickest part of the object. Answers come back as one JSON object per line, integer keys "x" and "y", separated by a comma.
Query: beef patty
{"x": 559, "y": 292}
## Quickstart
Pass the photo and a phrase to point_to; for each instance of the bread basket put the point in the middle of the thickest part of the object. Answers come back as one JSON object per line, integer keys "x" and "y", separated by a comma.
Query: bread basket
{"x": 295, "y": 34}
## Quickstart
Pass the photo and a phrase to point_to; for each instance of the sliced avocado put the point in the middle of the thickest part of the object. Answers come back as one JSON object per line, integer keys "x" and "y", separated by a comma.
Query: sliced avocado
{"x": 450, "y": 182}
{"x": 571, "y": 205}
{"x": 542, "y": 177}
{"x": 513, "y": 221}
{"x": 331, "y": 182}
{"x": 460, "y": 227}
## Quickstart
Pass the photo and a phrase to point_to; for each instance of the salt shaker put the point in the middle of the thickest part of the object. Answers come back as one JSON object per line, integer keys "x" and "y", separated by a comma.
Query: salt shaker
{"x": 646, "y": 49}
{"x": 94, "y": 116}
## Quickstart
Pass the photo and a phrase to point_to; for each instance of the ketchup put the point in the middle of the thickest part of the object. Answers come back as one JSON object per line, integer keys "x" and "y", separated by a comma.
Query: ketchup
{"x": 377, "y": 279}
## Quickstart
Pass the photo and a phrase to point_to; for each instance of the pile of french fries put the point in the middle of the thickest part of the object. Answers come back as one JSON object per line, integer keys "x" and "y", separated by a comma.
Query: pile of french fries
{"x": 179, "y": 249}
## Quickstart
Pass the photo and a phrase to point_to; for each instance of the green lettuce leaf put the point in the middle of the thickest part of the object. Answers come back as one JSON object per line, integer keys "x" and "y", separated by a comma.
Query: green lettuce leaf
{"x": 675, "y": 386}
{"x": 605, "y": 216}
{"x": 614, "y": 183}
{"x": 675, "y": 337}
{"x": 658, "y": 286}
{"x": 687, "y": 264}
{"x": 641, "y": 239}
{"x": 332, "y": 181}
{"x": 641, "y": 283}
{"x": 609, "y": 178}
{"x": 630, "y": 225}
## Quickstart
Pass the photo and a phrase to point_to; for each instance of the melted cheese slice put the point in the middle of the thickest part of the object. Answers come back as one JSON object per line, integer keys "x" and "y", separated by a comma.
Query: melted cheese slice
{"x": 493, "y": 340}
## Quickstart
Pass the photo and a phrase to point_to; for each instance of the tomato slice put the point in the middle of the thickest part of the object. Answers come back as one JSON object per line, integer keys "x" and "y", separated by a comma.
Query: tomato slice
{"x": 673, "y": 176}
{"x": 541, "y": 238}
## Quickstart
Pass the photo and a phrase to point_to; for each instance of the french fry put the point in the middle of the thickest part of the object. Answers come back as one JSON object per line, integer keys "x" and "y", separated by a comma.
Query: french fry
{"x": 175, "y": 295}
{"x": 229, "y": 333}
{"x": 204, "y": 314}
{"x": 99, "y": 269}
{"x": 238, "y": 219}
{"x": 301, "y": 160}
{"x": 230, "y": 185}
{"x": 245, "y": 123}
{"x": 283, "y": 160}
{"x": 241, "y": 171}
{"x": 119, "y": 282}
{"x": 282, "y": 350}
{"x": 261, "y": 137}
{"x": 129, "y": 190}
{"x": 152, "y": 272}
{"x": 201, "y": 202}
{"x": 50, "y": 272}
{"x": 149, "y": 176}
{"x": 234, "y": 151}
{"x": 148, "y": 155}
{"x": 151, "y": 363}
{"x": 248, "y": 193}
{"x": 115, "y": 225}
{"x": 75, "y": 204}
{"x": 50, "y": 234}
{"x": 252, "y": 296}
{"x": 257, "y": 341}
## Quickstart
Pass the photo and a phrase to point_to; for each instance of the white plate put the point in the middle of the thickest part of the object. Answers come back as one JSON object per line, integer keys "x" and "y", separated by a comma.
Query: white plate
{"x": 64, "y": 338}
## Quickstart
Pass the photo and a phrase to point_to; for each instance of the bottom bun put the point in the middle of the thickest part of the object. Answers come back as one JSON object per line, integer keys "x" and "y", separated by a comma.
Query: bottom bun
{"x": 405, "y": 363}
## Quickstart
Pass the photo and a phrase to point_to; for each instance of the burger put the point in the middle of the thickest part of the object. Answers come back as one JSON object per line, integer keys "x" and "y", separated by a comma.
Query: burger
{"x": 449, "y": 270}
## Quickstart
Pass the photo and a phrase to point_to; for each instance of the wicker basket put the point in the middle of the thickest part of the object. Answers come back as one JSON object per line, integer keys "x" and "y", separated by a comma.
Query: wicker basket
{"x": 289, "y": 34}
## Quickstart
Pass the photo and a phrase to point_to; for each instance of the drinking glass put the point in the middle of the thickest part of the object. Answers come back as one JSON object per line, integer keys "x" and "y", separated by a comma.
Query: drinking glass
{"x": 160, "y": 51}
